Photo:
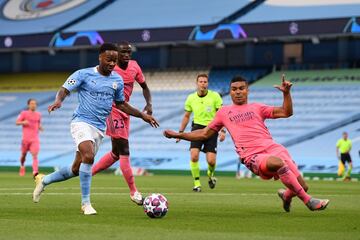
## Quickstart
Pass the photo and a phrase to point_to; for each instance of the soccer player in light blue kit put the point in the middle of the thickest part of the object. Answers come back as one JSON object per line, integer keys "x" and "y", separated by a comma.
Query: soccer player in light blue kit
{"x": 98, "y": 87}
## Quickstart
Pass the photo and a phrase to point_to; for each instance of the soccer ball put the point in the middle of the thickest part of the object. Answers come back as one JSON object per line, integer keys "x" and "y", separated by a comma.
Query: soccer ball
{"x": 155, "y": 205}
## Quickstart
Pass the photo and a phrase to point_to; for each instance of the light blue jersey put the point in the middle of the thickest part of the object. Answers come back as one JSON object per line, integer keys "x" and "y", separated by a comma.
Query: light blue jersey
{"x": 96, "y": 94}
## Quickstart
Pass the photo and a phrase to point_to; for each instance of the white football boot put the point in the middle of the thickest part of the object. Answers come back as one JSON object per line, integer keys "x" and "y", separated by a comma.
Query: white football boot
{"x": 88, "y": 209}
{"x": 137, "y": 198}
{"x": 39, "y": 187}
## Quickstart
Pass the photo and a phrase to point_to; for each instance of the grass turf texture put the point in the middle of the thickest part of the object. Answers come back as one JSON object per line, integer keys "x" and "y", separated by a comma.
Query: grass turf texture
{"x": 235, "y": 209}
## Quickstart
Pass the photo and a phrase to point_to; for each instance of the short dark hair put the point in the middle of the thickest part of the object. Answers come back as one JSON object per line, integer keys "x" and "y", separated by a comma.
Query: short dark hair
{"x": 123, "y": 42}
{"x": 238, "y": 79}
{"x": 202, "y": 75}
{"x": 29, "y": 100}
{"x": 107, "y": 47}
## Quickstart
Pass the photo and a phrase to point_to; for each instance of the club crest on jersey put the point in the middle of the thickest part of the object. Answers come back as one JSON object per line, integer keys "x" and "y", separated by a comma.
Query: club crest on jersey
{"x": 114, "y": 85}
{"x": 71, "y": 82}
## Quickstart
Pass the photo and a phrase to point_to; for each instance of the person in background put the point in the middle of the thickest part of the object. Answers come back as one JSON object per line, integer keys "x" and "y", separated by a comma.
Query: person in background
{"x": 204, "y": 103}
{"x": 30, "y": 120}
{"x": 343, "y": 146}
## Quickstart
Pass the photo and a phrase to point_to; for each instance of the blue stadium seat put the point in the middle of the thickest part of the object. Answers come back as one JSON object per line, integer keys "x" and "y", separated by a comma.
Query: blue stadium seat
{"x": 125, "y": 14}
{"x": 277, "y": 10}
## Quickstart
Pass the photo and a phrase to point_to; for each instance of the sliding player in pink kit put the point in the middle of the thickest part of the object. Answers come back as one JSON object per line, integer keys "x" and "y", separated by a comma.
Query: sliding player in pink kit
{"x": 253, "y": 142}
{"x": 31, "y": 125}
{"x": 118, "y": 122}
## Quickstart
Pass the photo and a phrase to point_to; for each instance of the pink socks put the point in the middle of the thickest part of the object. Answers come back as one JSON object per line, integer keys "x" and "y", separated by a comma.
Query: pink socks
{"x": 127, "y": 173}
{"x": 288, "y": 178}
{"x": 35, "y": 165}
{"x": 109, "y": 159}
{"x": 105, "y": 162}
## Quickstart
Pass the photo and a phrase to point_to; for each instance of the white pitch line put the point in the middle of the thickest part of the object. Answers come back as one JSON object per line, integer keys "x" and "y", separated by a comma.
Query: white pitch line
{"x": 174, "y": 194}
{"x": 116, "y": 194}
{"x": 75, "y": 188}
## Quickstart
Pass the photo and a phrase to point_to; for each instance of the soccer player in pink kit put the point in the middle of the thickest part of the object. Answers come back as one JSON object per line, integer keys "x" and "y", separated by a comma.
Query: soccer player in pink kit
{"x": 118, "y": 122}
{"x": 253, "y": 142}
{"x": 30, "y": 120}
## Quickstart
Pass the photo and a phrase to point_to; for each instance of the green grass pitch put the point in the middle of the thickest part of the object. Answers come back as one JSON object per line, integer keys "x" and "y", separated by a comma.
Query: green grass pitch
{"x": 235, "y": 209}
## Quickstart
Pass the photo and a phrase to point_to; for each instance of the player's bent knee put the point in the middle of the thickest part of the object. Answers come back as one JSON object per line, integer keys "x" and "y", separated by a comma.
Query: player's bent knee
{"x": 115, "y": 153}
{"x": 88, "y": 158}
{"x": 274, "y": 163}
{"x": 212, "y": 162}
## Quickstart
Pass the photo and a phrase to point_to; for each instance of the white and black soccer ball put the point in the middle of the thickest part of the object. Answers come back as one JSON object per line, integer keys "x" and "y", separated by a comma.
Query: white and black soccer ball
{"x": 155, "y": 205}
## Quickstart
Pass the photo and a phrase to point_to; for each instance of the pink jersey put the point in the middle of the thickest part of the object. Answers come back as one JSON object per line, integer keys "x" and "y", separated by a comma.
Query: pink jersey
{"x": 31, "y": 130}
{"x": 246, "y": 126}
{"x": 118, "y": 123}
{"x": 130, "y": 75}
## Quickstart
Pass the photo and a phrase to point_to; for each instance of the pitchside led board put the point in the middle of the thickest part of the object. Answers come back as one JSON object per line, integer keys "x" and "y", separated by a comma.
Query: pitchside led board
{"x": 40, "y": 24}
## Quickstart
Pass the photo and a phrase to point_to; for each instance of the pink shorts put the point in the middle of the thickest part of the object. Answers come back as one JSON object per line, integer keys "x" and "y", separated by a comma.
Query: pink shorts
{"x": 257, "y": 162}
{"x": 118, "y": 124}
{"x": 32, "y": 146}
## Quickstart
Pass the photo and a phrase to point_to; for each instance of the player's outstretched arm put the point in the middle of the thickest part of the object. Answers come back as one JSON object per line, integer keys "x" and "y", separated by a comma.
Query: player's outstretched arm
{"x": 60, "y": 96}
{"x": 197, "y": 135}
{"x": 222, "y": 135}
{"x": 127, "y": 108}
{"x": 147, "y": 96}
{"x": 184, "y": 123}
{"x": 286, "y": 110}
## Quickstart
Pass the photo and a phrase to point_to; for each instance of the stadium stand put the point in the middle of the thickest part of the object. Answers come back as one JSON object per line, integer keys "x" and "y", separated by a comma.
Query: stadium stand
{"x": 325, "y": 101}
{"x": 325, "y": 104}
{"x": 13, "y": 23}
{"x": 10, "y": 134}
{"x": 220, "y": 77}
{"x": 30, "y": 82}
{"x": 12, "y": 103}
{"x": 219, "y": 80}
{"x": 170, "y": 89}
{"x": 282, "y": 10}
{"x": 316, "y": 99}
{"x": 177, "y": 14}
{"x": 321, "y": 149}
{"x": 165, "y": 80}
